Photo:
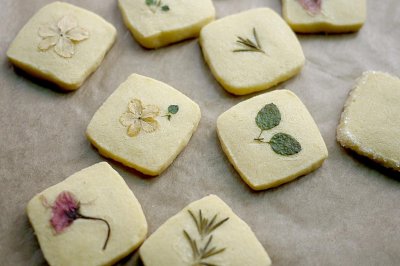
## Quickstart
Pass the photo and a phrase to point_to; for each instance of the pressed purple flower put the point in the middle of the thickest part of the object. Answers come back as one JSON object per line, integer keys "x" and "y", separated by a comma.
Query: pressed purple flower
{"x": 66, "y": 210}
{"x": 312, "y": 6}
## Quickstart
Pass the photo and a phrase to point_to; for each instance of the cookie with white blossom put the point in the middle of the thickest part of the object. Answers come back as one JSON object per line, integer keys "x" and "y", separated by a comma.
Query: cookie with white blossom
{"x": 156, "y": 23}
{"x": 205, "y": 233}
{"x": 63, "y": 44}
{"x": 251, "y": 51}
{"x": 370, "y": 123}
{"x": 90, "y": 218}
{"x": 144, "y": 124}
{"x": 312, "y": 16}
{"x": 271, "y": 139}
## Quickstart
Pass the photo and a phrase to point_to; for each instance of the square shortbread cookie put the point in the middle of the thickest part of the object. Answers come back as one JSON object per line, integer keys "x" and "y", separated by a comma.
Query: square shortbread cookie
{"x": 251, "y": 51}
{"x": 313, "y": 16}
{"x": 144, "y": 124}
{"x": 156, "y": 23}
{"x": 63, "y": 44}
{"x": 271, "y": 139}
{"x": 91, "y": 218}
{"x": 370, "y": 123}
{"x": 206, "y": 232}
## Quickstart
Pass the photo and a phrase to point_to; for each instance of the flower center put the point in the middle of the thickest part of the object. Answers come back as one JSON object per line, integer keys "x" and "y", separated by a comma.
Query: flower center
{"x": 72, "y": 214}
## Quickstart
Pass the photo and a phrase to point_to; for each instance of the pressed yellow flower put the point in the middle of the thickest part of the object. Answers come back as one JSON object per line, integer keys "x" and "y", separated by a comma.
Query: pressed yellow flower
{"x": 140, "y": 117}
{"x": 62, "y": 36}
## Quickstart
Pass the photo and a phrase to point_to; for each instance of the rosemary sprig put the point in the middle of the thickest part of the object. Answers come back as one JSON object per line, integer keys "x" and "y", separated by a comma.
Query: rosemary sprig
{"x": 250, "y": 46}
{"x": 203, "y": 250}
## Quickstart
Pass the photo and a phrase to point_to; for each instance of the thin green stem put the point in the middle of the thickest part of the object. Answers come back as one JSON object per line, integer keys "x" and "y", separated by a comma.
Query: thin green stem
{"x": 259, "y": 136}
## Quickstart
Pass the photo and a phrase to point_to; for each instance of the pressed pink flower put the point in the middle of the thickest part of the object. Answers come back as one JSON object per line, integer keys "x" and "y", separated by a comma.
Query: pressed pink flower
{"x": 66, "y": 210}
{"x": 312, "y": 6}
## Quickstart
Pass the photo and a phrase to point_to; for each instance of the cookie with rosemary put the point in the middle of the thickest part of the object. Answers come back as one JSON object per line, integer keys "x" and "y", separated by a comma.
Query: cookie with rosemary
{"x": 251, "y": 51}
{"x": 63, "y": 44}
{"x": 90, "y": 218}
{"x": 313, "y": 16}
{"x": 157, "y": 23}
{"x": 144, "y": 124}
{"x": 206, "y": 232}
{"x": 370, "y": 122}
{"x": 271, "y": 139}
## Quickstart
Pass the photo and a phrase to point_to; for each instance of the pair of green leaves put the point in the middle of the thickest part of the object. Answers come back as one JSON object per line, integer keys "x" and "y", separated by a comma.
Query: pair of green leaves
{"x": 157, "y": 4}
{"x": 172, "y": 110}
{"x": 281, "y": 143}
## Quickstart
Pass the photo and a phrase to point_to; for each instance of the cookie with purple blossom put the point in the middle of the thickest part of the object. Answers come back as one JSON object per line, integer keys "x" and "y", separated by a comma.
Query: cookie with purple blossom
{"x": 311, "y": 16}
{"x": 91, "y": 218}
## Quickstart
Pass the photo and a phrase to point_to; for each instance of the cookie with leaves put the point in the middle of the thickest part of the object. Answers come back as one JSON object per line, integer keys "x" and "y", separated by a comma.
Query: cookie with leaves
{"x": 157, "y": 23}
{"x": 144, "y": 124}
{"x": 206, "y": 232}
{"x": 81, "y": 221}
{"x": 251, "y": 51}
{"x": 271, "y": 139}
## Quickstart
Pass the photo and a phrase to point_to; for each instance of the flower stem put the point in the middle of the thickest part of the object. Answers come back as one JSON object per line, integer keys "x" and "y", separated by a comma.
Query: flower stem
{"x": 81, "y": 216}
{"x": 259, "y": 138}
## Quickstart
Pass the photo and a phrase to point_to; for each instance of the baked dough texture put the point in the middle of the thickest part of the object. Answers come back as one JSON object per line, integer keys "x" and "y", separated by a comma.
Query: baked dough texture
{"x": 154, "y": 27}
{"x": 337, "y": 16}
{"x": 370, "y": 122}
{"x": 256, "y": 162}
{"x": 103, "y": 193}
{"x": 242, "y": 72}
{"x": 67, "y": 73}
{"x": 169, "y": 245}
{"x": 148, "y": 152}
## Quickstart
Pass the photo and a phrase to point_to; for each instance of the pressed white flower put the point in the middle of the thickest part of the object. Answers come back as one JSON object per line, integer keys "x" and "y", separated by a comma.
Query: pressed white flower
{"x": 62, "y": 36}
{"x": 140, "y": 117}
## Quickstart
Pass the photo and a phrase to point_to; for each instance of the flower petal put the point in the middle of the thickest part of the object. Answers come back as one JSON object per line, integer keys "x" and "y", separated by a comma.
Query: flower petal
{"x": 149, "y": 125}
{"x": 312, "y": 6}
{"x": 63, "y": 211}
{"x": 48, "y": 42}
{"x": 77, "y": 34}
{"x": 48, "y": 31}
{"x": 134, "y": 128}
{"x": 150, "y": 111}
{"x": 127, "y": 119}
{"x": 67, "y": 23}
{"x": 64, "y": 47}
{"x": 135, "y": 106}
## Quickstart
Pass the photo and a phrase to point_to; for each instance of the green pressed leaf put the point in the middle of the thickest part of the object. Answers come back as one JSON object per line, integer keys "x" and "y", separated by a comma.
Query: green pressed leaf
{"x": 150, "y": 2}
{"x": 268, "y": 117}
{"x": 165, "y": 8}
{"x": 173, "y": 109}
{"x": 285, "y": 144}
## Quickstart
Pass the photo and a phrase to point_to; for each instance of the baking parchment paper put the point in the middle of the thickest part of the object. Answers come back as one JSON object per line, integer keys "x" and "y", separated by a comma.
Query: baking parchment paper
{"x": 345, "y": 213}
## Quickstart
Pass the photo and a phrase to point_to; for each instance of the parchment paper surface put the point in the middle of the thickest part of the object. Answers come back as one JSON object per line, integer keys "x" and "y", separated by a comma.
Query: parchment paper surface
{"x": 345, "y": 213}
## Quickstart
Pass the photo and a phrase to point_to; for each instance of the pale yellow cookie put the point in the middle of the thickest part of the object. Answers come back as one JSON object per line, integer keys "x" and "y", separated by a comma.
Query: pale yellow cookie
{"x": 63, "y": 44}
{"x": 331, "y": 16}
{"x": 251, "y": 51}
{"x": 90, "y": 218}
{"x": 271, "y": 139}
{"x": 156, "y": 23}
{"x": 144, "y": 124}
{"x": 206, "y": 232}
{"x": 370, "y": 123}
